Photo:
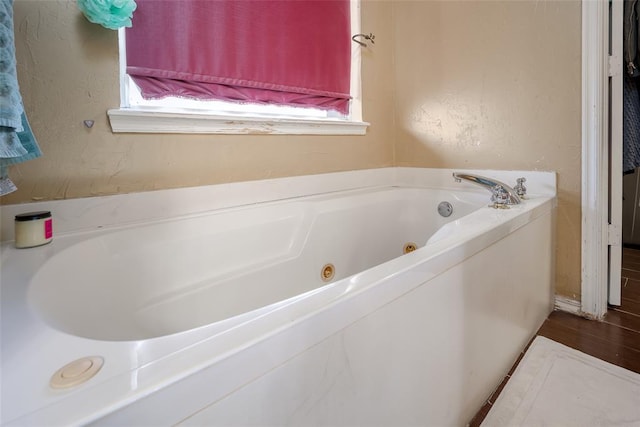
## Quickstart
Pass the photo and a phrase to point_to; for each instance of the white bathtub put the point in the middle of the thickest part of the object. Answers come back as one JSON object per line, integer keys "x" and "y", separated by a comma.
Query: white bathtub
{"x": 216, "y": 312}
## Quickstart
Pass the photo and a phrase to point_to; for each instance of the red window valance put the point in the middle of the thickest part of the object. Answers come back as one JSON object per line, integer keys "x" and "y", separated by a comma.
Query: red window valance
{"x": 286, "y": 52}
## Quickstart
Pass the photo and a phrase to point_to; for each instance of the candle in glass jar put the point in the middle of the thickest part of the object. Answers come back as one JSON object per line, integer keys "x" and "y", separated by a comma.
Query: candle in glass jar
{"x": 33, "y": 229}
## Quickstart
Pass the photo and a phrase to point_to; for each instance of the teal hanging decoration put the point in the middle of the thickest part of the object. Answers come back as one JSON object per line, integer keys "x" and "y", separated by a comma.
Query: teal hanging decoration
{"x": 112, "y": 14}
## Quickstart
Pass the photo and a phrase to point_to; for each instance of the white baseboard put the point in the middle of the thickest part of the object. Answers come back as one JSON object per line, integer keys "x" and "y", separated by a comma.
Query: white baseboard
{"x": 567, "y": 304}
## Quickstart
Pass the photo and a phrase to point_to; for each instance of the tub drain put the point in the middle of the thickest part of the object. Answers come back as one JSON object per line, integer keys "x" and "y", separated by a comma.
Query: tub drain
{"x": 445, "y": 209}
{"x": 409, "y": 247}
{"x": 327, "y": 272}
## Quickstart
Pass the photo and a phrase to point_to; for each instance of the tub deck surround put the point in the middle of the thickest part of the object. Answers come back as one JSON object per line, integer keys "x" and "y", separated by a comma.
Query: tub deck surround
{"x": 143, "y": 368}
{"x": 92, "y": 213}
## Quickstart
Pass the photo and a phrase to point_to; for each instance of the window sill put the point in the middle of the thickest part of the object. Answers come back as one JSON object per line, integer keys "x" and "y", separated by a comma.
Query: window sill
{"x": 140, "y": 121}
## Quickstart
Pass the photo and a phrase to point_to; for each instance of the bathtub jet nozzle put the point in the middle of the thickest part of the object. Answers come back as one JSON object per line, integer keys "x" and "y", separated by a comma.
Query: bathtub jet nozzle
{"x": 501, "y": 193}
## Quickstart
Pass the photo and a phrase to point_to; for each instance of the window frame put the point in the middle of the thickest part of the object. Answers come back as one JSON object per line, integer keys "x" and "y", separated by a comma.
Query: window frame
{"x": 148, "y": 119}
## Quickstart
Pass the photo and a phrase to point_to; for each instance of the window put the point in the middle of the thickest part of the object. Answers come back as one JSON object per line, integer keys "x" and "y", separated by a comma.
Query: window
{"x": 319, "y": 109}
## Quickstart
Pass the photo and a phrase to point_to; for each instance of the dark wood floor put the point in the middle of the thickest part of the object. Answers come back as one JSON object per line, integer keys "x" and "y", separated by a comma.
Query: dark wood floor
{"x": 616, "y": 339}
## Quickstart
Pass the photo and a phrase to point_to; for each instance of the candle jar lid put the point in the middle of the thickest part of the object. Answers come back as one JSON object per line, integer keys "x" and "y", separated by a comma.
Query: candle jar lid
{"x": 32, "y": 216}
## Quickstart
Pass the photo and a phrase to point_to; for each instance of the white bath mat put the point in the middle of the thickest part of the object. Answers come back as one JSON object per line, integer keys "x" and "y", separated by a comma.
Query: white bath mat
{"x": 555, "y": 385}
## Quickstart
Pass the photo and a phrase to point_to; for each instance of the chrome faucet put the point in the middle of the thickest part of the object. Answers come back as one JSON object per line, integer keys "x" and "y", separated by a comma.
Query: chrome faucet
{"x": 501, "y": 194}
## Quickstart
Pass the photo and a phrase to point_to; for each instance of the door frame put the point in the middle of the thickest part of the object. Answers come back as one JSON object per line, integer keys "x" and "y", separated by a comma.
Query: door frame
{"x": 601, "y": 182}
{"x": 595, "y": 155}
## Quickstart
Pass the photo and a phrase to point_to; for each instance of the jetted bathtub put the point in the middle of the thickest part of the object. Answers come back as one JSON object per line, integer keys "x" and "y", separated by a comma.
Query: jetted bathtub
{"x": 382, "y": 297}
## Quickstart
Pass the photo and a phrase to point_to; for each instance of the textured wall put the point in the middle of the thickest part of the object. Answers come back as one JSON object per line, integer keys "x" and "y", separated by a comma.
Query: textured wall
{"x": 68, "y": 72}
{"x": 483, "y": 84}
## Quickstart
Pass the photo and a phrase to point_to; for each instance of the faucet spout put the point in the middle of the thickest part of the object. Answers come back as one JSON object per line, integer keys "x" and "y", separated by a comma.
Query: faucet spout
{"x": 502, "y": 193}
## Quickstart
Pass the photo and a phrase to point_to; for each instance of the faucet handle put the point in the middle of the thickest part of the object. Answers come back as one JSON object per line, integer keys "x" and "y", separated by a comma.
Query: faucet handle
{"x": 499, "y": 197}
{"x": 521, "y": 190}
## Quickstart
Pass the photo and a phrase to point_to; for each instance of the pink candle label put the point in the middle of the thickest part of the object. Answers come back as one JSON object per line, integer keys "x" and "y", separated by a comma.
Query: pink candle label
{"x": 48, "y": 228}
